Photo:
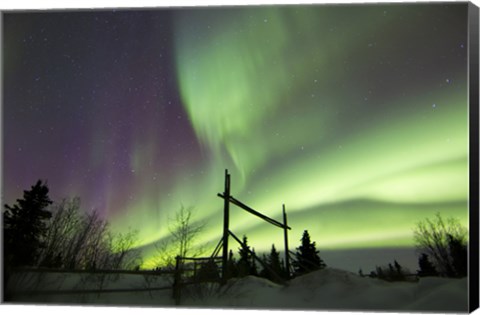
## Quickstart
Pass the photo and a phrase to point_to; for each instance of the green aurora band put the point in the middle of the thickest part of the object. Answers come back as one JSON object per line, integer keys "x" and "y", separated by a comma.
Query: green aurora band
{"x": 284, "y": 98}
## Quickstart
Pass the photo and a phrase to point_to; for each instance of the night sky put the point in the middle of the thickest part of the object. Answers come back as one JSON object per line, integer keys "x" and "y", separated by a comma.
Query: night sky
{"x": 353, "y": 116}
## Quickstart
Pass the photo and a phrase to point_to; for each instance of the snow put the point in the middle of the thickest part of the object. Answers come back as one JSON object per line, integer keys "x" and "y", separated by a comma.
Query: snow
{"x": 327, "y": 289}
{"x": 332, "y": 289}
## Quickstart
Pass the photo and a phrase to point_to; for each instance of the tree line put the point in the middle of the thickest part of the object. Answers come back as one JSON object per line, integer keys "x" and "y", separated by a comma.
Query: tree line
{"x": 306, "y": 259}
{"x": 41, "y": 233}
{"x": 442, "y": 246}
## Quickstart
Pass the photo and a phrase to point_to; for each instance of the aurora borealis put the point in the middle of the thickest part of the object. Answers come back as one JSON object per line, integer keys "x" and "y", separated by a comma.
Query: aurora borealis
{"x": 353, "y": 116}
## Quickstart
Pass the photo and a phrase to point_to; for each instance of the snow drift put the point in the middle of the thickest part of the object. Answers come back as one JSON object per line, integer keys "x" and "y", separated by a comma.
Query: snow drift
{"x": 327, "y": 289}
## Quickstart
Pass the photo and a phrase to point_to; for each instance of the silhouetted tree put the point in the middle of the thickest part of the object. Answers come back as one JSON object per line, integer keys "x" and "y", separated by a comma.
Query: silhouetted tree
{"x": 379, "y": 272}
{"x": 459, "y": 256}
{"x": 445, "y": 242}
{"x": 360, "y": 272}
{"x": 61, "y": 229}
{"x": 253, "y": 270}
{"x": 76, "y": 240}
{"x": 427, "y": 269}
{"x": 125, "y": 255}
{"x": 391, "y": 272}
{"x": 232, "y": 266}
{"x": 273, "y": 261}
{"x": 245, "y": 262}
{"x": 89, "y": 248}
{"x": 307, "y": 258}
{"x": 208, "y": 271}
{"x": 275, "y": 270}
{"x": 399, "y": 274}
{"x": 24, "y": 226}
{"x": 184, "y": 232}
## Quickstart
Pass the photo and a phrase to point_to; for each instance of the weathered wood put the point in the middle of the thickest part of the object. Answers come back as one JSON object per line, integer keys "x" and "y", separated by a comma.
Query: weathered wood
{"x": 228, "y": 198}
{"x": 254, "y": 212}
{"x": 201, "y": 258}
{"x": 177, "y": 287}
{"x": 285, "y": 237}
{"x": 226, "y": 215}
{"x": 217, "y": 249}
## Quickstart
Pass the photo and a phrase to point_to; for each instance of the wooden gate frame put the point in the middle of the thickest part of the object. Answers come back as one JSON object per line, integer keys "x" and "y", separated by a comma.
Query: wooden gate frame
{"x": 228, "y": 198}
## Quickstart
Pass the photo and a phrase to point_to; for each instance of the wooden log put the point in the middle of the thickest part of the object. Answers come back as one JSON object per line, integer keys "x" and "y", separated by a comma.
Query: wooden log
{"x": 177, "y": 281}
{"x": 226, "y": 214}
{"x": 254, "y": 212}
{"x": 285, "y": 237}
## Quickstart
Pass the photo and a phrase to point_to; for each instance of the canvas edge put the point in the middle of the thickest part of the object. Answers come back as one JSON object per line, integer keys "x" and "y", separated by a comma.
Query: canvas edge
{"x": 473, "y": 33}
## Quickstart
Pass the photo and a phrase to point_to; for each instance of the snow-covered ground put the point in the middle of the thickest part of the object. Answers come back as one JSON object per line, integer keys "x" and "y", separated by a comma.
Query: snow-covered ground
{"x": 328, "y": 289}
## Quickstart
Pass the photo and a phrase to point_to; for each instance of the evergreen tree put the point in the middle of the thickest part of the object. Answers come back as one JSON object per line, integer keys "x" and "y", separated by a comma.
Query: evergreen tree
{"x": 275, "y": 270}
{"x": 244, "y": 265}
{"x": 208, "y": 272}
{"x": 253, "y": 269}
{"x": 360, "y": 272}
{"x": 24, "y": 226}
{"x": 307, "y": 258}
{"x": 264, "y": 272}
{"x": 398, "y": 274}
{"x": 274, "y": 261}
{"x": 232, "y": 271}
{"x": 391, "y": 272}
{"x": 459, "y": 256}
{"x": 398, "y": 268}
{"x": 427, "y": 269}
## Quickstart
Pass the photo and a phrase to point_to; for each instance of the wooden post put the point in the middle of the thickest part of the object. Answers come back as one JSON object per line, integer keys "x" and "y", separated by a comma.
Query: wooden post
{"x": 285, "y": 235}
{"x": 176, "y": 281}
{"x": 226, "y": 213}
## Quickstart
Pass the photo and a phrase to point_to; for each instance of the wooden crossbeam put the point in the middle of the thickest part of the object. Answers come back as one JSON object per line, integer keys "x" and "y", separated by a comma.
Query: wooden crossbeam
{"x": 201, "y": 258}
{"x": 254, "y": 212}
{"x": 217, "y": 248}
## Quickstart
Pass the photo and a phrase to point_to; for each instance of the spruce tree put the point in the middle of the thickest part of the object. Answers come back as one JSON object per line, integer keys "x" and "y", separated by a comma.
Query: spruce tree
{"x": 307, "y": 258}
{"x": 275, "y": 270}
{"x": 459, "y": 256}
{"x": 244, "y": 265}
{"x": 264, "y": 271}
{"x": 24, "y": 226}
{"x": 232, "y": 270}
{"x": 427, "y": 269}
{"x": 274, "y": 261}
{"x": 399, "y": 274}
{"x": 253, "y": 266}
{"x": 208, "y": 272}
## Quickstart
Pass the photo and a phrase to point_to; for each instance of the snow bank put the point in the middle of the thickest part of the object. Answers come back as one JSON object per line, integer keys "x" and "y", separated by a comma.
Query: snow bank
{"x": 328, "y": 289}
{"x": 136, "y": 287}
{"x": 332, "y": 289}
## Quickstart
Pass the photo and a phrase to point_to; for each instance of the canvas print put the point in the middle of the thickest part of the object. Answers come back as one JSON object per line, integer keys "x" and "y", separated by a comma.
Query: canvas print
{"x": 308, "y": 157}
